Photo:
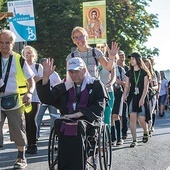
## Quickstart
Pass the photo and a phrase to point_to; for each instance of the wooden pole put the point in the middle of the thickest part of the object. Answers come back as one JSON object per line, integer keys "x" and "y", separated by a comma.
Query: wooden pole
{"x": 6, "y": 15}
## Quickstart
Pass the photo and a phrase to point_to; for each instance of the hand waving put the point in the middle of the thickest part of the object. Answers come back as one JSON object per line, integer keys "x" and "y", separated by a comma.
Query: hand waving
{"x": 113, "y": 51}
{"x": 48, "y": 69}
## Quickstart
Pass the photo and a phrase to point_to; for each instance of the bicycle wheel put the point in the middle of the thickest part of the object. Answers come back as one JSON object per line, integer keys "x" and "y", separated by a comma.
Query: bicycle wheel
{"x": 53, "y": 150}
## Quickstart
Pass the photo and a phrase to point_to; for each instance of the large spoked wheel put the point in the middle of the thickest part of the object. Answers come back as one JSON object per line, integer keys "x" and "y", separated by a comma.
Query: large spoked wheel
{"x": 53, "y": 150}
{"x": 105, "y": 148}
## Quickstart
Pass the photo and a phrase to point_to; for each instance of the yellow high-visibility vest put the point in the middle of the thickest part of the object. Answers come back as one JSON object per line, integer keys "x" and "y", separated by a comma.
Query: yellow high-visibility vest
{"x": 21, "y": 82}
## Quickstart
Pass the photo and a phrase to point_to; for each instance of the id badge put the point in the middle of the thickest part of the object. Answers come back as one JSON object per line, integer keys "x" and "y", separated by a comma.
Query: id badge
{"x": 74, "y": 106}
{"x": 136, "y": 91}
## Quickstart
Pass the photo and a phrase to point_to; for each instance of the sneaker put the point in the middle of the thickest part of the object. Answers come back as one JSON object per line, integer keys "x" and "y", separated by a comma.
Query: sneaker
{"x": 145, "y": 138}
{"x": 152, "y": 129}
{"x": 20, "y": 163}
{"x": 114, "y": 143}
{"x": 33, "y": 149}
{"x": 120, "y": 142}
{"x": 133, "y": 144}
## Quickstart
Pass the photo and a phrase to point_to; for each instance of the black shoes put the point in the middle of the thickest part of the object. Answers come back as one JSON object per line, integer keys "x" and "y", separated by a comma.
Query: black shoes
{"x": 161, "y": 114}
{"x": 124, "y": 137}
{"x": 31, "y": 149}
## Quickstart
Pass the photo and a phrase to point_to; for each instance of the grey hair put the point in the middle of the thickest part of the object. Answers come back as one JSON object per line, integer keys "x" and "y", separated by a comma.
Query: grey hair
{"x": 9, "y": 33}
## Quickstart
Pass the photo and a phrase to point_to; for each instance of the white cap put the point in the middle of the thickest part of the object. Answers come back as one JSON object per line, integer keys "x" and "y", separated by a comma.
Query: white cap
{"x": 75, "y": 63}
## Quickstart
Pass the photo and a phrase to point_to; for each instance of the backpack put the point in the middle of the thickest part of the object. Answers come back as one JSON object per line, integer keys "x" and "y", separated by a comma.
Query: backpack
{"x": 121, "y": 78}
{"x": 94, "y": 55}
{"x": 22, "y": 60}
{"x": 96, "y": 61}
{"x": 120, "y": 71}
{"x": 36, "y": 66}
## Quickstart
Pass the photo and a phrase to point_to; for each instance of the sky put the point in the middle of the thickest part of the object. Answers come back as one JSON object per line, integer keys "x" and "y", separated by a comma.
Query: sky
{"x": 161, "y": 36}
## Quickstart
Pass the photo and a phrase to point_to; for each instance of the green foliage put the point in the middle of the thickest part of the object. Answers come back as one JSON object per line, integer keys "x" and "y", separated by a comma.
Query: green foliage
{"x": 3, "y": 8}
{"x": 128, "y": 23}
{"x": 54, "y": 23}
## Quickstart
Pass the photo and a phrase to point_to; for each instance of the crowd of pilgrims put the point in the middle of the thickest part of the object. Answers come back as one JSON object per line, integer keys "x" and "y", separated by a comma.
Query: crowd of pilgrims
{"x": 136, "y": 92}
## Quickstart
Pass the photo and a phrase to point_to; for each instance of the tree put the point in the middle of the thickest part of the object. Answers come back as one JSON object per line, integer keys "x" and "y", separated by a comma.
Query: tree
{"x": 54, "y": 22}
{"x": 128, "y": 23}
{"x": 3, "y": 22}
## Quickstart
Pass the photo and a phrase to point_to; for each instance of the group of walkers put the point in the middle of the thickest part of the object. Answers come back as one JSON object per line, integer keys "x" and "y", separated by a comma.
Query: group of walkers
{"x": 132, "y": 92}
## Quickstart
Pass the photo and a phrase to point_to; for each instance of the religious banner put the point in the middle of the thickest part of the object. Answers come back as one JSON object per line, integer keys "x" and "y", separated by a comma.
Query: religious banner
{"x": 94, "y": 21}
{"x": 22, "y": 23}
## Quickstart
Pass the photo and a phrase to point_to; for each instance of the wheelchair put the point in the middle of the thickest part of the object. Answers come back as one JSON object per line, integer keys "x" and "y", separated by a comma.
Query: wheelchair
{"x": 98, "y": 153}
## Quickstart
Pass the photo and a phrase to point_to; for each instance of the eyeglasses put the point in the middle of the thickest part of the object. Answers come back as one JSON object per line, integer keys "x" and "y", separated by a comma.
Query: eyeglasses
{"x": 100, "y": 46}
{"x": 79, "y": 37}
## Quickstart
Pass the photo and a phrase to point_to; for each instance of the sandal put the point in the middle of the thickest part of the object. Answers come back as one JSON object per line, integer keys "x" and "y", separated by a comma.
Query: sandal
{"x": 133, "y": 144}
{"x": 145, "y": 138}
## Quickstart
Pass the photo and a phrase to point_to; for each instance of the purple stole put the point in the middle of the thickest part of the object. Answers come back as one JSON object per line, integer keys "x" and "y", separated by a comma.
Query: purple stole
{"x": 81, "y": 102}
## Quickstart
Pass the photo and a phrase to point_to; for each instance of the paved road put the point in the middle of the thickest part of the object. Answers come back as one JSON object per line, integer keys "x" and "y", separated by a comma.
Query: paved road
{"x": 154, "y": 155}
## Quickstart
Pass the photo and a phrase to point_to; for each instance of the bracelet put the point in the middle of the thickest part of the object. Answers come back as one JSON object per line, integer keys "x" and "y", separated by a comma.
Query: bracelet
{"x": 111, "y": 59}
{"x": 29, "y": 92}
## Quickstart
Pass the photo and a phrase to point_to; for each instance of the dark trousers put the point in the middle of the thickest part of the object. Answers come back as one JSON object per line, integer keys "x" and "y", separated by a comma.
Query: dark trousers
{"x": 71, "y": 149}
{"x": 31, "y": 126}
{"x": 124, "y": 120}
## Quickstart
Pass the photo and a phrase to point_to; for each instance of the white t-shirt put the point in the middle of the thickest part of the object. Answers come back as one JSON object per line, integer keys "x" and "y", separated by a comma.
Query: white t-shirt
{"x": 38, "y": 73}
{"x": 105, "y": 77}
{"x": 89, "y": 60}
{"x": 54, "y": 79}
{"x": 11, "y": 86}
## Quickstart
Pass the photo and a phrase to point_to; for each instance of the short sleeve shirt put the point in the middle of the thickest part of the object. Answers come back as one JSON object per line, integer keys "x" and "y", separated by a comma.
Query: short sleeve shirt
{"x": 105, "y": 77}
{"x": 140, "y": 84}
{"x": 89, "y": 60}
{"x": 164, "y": 84}
{"x": 54, "y": 79}
{"x": 11, "y": 86}
{"x": 38, "y": 73}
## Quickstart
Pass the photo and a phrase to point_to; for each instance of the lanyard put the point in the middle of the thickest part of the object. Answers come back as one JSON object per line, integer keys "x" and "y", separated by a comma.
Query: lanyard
{"x": 136, "y": 78}
{"x": 4, "y": 65}
{"x": 2, "y": 89}
{"x": 87, "y": 59}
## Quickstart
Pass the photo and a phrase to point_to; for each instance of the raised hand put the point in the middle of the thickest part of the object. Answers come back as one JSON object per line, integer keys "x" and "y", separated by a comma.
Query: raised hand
{"x": 48, "y": 69}
{"x": 113, "y": 51}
